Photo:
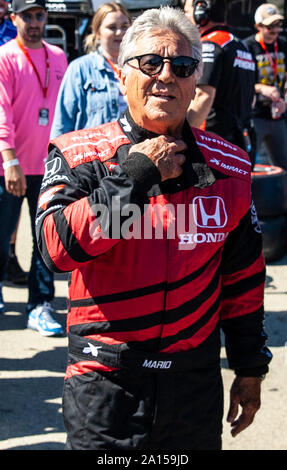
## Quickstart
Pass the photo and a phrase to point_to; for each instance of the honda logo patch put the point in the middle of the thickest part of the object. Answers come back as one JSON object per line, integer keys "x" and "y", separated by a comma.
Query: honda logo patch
{"x": 52, "y": 167}
{"x": 209, "y": 212}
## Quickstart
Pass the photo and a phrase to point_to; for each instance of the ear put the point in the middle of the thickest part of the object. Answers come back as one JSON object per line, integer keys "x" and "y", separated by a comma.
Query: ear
{"x": 13, "y": 18}
{"x": 122, "y": 80}
{"x": 194, "y": 93}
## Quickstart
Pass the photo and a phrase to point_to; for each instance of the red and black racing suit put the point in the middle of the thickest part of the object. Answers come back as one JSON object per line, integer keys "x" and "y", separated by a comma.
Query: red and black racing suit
{"x": 157, "y": 269}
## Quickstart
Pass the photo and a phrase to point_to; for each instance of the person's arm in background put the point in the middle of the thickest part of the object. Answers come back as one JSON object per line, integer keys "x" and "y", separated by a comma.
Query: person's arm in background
{"x": 15, "y": 181}
{"x": 200, "y": 107}
{"x": 68, "y": 102}
{"x": 271, "y": 92}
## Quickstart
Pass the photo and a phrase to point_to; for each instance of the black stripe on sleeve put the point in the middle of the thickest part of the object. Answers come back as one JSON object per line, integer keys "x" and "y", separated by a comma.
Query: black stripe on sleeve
{"x": 70, "y": 243}
{"x": 245, "y": 285}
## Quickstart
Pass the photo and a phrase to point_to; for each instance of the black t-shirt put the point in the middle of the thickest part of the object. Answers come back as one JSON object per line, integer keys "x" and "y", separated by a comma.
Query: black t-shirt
{"x": 265, "y": 73}
{"x": 229, "y": 67}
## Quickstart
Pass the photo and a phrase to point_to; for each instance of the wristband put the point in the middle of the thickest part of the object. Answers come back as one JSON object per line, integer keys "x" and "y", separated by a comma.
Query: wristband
{"x": 13, "y": 162}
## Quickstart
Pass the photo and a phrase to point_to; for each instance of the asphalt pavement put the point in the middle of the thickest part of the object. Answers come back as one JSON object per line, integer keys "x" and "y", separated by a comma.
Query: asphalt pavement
{"x": 32, "y": 369}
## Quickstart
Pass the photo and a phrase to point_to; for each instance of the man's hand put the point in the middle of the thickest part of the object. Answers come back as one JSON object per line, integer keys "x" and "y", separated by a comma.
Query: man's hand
{"x": 200, "y": 106}
{"x": 15, "y": 181}
{"x": 165, "y": 153}
{"x": 269, "y": 91}
{"x": 245, "y": 391}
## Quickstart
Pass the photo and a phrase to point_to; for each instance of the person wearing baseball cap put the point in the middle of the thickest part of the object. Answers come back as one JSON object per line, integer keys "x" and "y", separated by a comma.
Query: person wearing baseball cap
{"x": 7, "y": 29}
{"x": 18, "y": 6}
{"x": 270, "y": 52}
{"x": 267, "y": 14}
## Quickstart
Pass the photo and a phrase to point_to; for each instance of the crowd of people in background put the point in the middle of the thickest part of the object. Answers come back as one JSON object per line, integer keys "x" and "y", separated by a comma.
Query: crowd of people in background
{"x": 245, "y": 104}
{"x": 269, "y": 112}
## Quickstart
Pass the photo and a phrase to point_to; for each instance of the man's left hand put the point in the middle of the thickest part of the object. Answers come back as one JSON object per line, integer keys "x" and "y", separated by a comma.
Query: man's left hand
{"x": 245, "y": 391}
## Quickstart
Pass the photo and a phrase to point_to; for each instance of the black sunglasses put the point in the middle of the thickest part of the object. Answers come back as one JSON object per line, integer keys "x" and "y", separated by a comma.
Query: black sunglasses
{"x": 152, "y": 64}
{"x": 279, "y": 24}
{"x": 28, "y": 17}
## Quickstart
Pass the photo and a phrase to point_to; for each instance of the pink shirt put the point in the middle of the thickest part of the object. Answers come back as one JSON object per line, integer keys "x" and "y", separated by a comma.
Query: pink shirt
{"x": 21, "y": 98}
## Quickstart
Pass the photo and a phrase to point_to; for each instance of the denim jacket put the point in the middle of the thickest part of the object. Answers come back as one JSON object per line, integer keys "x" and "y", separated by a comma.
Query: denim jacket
{"x": 89, "y": 95}
{"x": 7, "y": 31}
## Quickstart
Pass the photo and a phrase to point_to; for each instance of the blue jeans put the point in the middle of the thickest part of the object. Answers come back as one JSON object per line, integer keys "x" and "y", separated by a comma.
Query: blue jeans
{"x": 41, "y": 279}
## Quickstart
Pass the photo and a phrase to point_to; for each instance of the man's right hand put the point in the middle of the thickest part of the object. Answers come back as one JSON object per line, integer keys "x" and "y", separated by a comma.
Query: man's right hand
{"x": 166, "y": 154}
{"x": 269, "y": 91}
{"x": 15, "y": 180}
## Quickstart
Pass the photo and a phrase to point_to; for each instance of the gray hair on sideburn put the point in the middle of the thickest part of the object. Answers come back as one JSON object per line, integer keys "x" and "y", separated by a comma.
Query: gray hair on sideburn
{"x": 165, "y": 18}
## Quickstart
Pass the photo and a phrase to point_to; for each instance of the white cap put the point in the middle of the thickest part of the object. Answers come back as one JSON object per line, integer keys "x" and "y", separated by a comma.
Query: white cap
{"x": 267, "y": 14}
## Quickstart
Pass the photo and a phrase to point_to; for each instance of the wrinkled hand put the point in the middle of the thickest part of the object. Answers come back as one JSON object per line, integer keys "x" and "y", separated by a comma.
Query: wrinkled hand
{"x": 165, "y": 153}
{"x": 15, "y": 181}
{"x": 245, "y": 391}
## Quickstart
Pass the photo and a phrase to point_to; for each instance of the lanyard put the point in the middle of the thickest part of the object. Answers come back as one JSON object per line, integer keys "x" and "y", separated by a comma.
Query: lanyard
{"x": 273, "y": 63}
{"x": 47, "y": 77}
{"x": 114, "y": 67}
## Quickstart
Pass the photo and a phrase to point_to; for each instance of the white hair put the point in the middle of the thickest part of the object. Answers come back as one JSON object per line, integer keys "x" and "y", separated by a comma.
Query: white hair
{"x": 166, "y": 18}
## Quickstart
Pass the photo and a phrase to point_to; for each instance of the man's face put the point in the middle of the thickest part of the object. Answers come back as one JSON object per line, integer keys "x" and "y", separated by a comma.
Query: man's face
{"x": 30, "y": 24}
{"x": 270, "y": 33}
{"x": 3, "y": 8}
{"x": 188, "y": 10}
{"x": 111, "y": 32}
{"x": 159, "y": 102}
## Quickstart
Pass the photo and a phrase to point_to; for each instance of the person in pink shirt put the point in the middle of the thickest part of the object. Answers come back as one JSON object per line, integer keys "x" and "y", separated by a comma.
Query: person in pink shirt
{"x": 31, "y": 71}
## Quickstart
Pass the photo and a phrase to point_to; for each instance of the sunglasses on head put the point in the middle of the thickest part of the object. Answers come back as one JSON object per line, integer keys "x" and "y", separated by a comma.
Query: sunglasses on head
{"x": 278, "y": 24}
{"x": 152, "y": 64}
{"x": 28, "y": 17}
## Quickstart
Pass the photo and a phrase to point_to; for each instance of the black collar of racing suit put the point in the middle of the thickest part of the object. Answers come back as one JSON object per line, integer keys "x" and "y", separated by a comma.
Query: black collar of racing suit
{"x": 133, "y": 131}
{"x": 195, "y": 170}
{"x": 138, "y": 134}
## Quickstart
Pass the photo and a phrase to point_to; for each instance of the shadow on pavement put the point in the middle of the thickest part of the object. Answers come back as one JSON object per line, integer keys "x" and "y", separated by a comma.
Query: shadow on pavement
{"x": 31, "y": 406}
{"x": 28, "y": 409}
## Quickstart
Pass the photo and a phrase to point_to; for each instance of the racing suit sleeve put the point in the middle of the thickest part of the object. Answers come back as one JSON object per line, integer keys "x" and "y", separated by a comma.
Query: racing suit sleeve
{"x": 242, "y": 313}
{"x": 80, "y": 212}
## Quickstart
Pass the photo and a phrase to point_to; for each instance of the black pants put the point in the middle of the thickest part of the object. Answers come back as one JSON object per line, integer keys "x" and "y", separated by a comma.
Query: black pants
{"x": 150, "y": 410}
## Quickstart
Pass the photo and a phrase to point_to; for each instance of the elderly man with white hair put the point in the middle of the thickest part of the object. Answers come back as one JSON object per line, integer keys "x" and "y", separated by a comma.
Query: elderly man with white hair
{"x": 156, "y": 223}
